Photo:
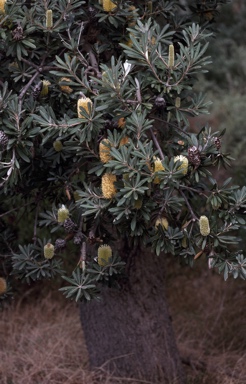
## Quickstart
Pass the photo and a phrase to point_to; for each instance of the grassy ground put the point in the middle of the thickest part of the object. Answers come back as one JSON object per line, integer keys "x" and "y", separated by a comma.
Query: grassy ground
{"x": 41, "y": 341}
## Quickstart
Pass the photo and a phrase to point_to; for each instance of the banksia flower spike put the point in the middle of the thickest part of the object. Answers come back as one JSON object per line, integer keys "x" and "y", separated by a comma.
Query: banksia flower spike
{"x": 121, "y": 122}
{"x": 104, "y": 253}
{"x": 45, "y": 88}
{"x": 158, "y": 167}
{"x": 138, "y": 204}
{"x": 49, "y": 251}
{"x": 57, "y": 145}
{"x": 124, "y": 141}
{"x": 2, "y": 6}
{"x": 177, "y": 102}
{"x": 63, "y": 214}
{"x": 161, "y": 221}
{"x": 49, "y": 18}
{"x": 184, "y": 165}
{"x": 108, "y": 188}
{"x": 108, "y": 5}
{"x": 3, "y": 285}
{"x": 83, "y": 102}
{"x": 171, "y": 56}
{"x": 204, "y": 226}
{"x": 104, "y": 151}
{"x": 65, "y": 88}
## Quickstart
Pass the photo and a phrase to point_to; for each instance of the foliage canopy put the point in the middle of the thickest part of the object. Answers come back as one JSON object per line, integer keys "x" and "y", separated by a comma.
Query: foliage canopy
{"x": 95, "y": 147}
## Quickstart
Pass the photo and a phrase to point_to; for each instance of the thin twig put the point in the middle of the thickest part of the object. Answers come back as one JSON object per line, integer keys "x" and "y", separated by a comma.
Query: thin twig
{"x": 157, "y": 144}
{"x": 194, "y": 217}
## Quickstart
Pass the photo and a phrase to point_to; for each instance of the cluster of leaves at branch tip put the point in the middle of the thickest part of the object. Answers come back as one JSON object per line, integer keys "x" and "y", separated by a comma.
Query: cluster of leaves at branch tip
{"x": 49, "y": 251}
{"x": 62, "y": 214}
{"x": 104, "y": 254}
{"x": 204, "y": 226}
{"x": 3, "y": 285}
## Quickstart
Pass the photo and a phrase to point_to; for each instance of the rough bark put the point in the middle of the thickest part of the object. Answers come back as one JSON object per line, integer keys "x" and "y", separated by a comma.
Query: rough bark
{"x": 130, "y": 331}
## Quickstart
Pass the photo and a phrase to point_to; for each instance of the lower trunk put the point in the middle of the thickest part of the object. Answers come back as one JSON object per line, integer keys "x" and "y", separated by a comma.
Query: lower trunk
{"x": 130, "y": 331}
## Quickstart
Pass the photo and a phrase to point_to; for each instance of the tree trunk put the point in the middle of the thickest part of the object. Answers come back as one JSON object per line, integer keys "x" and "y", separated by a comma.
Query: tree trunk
{"x": 130, "y": 330}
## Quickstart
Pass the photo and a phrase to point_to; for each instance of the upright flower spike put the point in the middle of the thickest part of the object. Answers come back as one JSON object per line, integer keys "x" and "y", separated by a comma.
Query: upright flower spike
{"x": 49, "y": 18}
{"x": 177, "y": 102}
{"x": 108, "y": 188}
{"x": 158, "y": 167}
{"x": 2, "y": 6}
{"x": 83, "y": 102}
{"x": 104, "y": 253}
{"x": 45, "y": 88}
{"x": 104, "y": 151}
{"x": 49, "y": 251}
{"x": 162, "y": 221}
{"x": 57, "y": 145}
{"x": 184, "y": 165}
{"x": 62, "y": 214}
{"x": 65, "y": 88}
{"x": 204, "y": 226}
{"x": 171, "y": 56}
{"x": 3, "y": 285}
{"x": 108, "y": 5}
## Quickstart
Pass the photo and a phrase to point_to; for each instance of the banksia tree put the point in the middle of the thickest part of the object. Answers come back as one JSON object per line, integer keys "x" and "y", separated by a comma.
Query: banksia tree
{"x": 70, "y": 79}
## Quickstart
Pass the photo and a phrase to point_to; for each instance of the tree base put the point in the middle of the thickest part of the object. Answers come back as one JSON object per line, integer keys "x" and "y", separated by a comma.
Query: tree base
{"x": 129, "y": 332}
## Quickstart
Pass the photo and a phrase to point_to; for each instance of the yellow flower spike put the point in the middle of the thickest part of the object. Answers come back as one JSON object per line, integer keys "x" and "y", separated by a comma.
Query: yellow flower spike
{"x": 204, "y": 226}
{"x": 162, "y": 221}
{"x": 62, "y": 214}
{"x": 83, "y": 102}
{"x": 121, "y": 122}
{"x": 177, "y": 102}
{"x": 104, "y": 253}
{"x": 158, "y": 167}
{"x": 49, "y": 18}
{"x": 49, "y": 251}
{"x": 2, "y": 6}
{"x": 108, "y": 188}
{"x": 124, "y": 141}
{"x": 108, "y": 5}
{"x": 184, "y": 165}
{"x": 171, "y": 56}
{"x": 45, "y": 88}
{"x": 3, "y": 285}
{"x": 104, "y": 151}
{"x": 138, "y": 204}
{"x": 57, "y": 145}
{"x": 65, "y": 88}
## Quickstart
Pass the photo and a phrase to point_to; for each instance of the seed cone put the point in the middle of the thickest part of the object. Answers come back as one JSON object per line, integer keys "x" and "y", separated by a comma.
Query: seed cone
{"x": 104, "y": 254}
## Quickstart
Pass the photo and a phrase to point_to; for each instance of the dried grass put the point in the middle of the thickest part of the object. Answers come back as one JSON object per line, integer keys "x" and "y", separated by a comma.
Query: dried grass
{"x": 41, "y": 341}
